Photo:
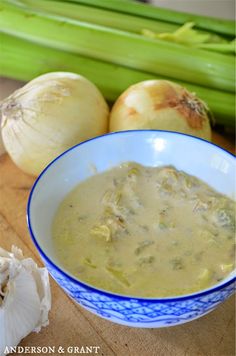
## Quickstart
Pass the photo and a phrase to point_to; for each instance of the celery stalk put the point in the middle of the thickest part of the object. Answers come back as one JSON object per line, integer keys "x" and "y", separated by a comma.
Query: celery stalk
{"x": 112, "y": 19}
{"x": 221, "y": 26}
{"x": 155, "y": 56}
{"x": 100, "y": 16}
{"x": 111, "y": 79}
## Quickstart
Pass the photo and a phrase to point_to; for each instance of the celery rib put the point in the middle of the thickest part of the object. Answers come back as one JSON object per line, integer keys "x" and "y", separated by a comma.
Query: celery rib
{"x": 111, "y": 79}
{"x": 155, "y": 56}
{"x": 108, "y": 18}
{"x": 100, "y": 16}
{"x": 221, "y": 26}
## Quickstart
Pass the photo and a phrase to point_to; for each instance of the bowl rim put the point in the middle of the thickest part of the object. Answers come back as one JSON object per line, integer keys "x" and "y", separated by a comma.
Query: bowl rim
{"x": 98, "y": 290}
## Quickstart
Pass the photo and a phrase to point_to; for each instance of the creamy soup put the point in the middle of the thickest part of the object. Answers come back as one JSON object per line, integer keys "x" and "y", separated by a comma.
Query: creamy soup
{"x": 146, "y": 231}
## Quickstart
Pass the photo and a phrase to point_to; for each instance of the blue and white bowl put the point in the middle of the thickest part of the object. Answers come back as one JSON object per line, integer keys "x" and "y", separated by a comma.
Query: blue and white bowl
{"x": 148, "y": 147}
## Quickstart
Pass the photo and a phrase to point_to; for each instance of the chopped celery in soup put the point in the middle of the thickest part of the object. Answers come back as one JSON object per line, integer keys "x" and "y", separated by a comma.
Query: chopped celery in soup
{"x": 146, "y": 231}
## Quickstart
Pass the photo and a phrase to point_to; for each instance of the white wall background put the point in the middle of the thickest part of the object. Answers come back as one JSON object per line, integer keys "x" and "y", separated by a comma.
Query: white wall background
{"x": 216, "y": 8}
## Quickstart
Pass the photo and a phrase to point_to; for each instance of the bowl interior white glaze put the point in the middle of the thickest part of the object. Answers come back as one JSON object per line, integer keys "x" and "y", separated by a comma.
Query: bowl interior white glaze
{"x": 152, "y": 148}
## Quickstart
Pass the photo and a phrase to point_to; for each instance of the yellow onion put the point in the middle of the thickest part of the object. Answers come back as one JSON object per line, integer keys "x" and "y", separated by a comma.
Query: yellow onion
{"x": 48, "y": 115}
{"x": 160, "y": 105}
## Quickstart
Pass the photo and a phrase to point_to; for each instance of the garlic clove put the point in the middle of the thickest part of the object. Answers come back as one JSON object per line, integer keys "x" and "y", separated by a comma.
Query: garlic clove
{"x": 2, "y": 148}
{"x": 25, "y": 298}
{"x": 20, "y": 310}
{"x": 16, "y": 252}
{"x": 4, "y": 253}
{"x": 43, "y": 289}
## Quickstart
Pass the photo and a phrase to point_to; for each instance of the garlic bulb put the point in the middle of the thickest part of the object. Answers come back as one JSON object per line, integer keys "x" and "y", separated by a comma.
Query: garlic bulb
{"x": 49, "y": 115}
{"x": 2, "y": 148}
{"x": 160, "y": 105}
{"x": 25, "y": 297}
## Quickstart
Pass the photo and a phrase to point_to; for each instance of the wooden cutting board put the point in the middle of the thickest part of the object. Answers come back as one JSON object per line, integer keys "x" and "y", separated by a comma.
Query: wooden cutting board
{"x": 70, "y": 325}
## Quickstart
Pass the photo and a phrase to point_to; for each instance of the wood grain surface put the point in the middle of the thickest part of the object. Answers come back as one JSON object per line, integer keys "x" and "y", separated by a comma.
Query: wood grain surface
{"x": 70, "y": 325}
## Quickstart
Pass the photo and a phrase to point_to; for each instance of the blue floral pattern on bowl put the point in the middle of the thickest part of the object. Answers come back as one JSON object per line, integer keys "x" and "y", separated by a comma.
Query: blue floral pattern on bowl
{"x": 138, "y": 312}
